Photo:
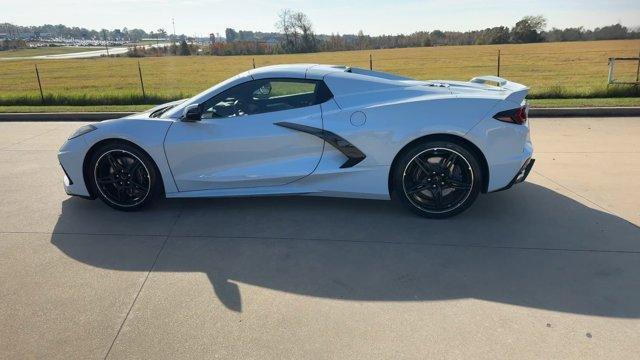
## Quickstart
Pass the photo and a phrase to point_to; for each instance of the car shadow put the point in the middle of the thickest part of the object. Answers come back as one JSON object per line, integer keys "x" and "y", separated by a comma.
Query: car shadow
{"x": 529, "y": 246}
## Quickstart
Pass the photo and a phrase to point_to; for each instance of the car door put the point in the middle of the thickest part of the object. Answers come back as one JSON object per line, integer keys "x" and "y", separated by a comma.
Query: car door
{"x": 236, "y": 144}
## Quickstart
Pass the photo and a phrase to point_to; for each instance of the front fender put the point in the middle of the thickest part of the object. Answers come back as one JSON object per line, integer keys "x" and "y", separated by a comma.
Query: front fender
{"x": 148, "y": 134}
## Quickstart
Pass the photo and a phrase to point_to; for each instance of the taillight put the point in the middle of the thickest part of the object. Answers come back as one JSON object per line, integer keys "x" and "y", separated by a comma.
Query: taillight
{"x": 514, "y": 116}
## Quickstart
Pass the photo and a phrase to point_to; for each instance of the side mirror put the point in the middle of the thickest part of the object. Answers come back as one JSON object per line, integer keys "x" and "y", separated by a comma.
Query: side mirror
{"x": 192, "y": 113}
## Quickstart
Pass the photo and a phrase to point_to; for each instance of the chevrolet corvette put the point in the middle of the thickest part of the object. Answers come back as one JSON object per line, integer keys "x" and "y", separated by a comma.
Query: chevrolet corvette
{"x": 318, "y": 130}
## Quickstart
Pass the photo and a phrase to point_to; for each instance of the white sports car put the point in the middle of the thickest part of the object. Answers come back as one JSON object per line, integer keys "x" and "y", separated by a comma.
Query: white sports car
{"x": 312, "y": 130}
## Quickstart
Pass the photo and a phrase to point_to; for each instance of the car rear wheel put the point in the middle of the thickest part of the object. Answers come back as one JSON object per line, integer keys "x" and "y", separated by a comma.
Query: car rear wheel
{"x": 123, "y": 176}
{"x": 437, "y": 179}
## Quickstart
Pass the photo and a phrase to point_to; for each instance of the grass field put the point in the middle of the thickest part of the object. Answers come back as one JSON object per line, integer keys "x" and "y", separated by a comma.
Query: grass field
{"x": 45, "y": 51}
{"x": 69, "y": 108}
{"x": 552, "y": 70}
{"x": 593, "y": 102}
{"x": 538, "y": 103}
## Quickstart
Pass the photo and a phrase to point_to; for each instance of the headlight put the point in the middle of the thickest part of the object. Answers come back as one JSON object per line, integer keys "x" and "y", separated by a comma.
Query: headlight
{"x": 82, "y": 130}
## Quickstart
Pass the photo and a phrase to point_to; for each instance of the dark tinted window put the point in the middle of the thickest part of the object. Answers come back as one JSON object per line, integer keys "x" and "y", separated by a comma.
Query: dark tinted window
{"x": 265, "y": 95}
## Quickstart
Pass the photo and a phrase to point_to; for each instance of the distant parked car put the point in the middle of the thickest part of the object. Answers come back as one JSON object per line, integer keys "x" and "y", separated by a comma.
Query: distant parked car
{"x": 312, "y": 130}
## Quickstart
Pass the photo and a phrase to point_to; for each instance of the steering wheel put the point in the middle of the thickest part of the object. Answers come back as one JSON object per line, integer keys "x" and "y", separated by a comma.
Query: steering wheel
{"x": 237, "y": 108}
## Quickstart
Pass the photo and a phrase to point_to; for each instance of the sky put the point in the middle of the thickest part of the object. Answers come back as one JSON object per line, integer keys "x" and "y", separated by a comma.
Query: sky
{"x": 200, "y": 17}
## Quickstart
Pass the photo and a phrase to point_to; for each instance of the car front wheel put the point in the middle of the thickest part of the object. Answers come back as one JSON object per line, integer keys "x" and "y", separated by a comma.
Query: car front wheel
{"x": 123, "y": 176}
{"x": 437, "y": 179}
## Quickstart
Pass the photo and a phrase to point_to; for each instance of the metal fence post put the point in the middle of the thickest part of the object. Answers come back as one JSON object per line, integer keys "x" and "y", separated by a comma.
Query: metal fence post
{"x": 638, "y": 70}
{"x": 370, "y": 62}
{"x": 144, "y": 95}
{"x": 39, "y": 84}
{"x": 498, "y": 62}
{"x": 612, "y": 63}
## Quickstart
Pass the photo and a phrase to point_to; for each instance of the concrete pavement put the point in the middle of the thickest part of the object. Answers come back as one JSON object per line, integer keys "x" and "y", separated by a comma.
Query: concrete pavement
{"x": 548, "y": 269}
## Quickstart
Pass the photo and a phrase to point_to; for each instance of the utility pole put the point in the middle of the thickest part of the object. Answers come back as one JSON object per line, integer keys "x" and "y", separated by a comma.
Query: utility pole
{"x": 173, "y": 23}
{"x": 106, "y": 43}
{"x": 212, "y": 41}
{"x": 175, "y": 40}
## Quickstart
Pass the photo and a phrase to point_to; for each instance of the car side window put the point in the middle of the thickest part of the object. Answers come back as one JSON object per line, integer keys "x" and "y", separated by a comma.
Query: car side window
{"x": 263, "y": 96}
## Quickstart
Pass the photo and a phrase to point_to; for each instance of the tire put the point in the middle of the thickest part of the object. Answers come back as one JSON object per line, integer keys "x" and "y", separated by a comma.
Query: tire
{"x": 123, "y": 176}
{"x": 443, "y": 186}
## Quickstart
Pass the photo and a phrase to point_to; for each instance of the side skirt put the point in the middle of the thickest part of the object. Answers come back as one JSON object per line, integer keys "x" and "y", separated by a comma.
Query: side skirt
{"x": 241, "y": 192}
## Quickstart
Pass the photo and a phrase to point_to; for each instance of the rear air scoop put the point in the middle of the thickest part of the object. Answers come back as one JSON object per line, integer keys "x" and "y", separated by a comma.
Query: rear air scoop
{"x": 514, "y": 92}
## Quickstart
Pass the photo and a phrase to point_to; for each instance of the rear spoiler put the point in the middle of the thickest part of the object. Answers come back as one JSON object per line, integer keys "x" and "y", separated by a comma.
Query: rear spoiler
{"x": 515, "y": 92}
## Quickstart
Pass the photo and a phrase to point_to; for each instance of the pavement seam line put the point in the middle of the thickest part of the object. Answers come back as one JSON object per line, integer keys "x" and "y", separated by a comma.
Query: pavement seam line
{"x": 480, "y": 246}
{"x": 433, "y": 244}
{"x": 135, "y": 299}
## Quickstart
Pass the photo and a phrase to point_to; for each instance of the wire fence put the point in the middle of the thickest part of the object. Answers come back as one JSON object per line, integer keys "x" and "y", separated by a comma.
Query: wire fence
{"x": 122, "y": 80}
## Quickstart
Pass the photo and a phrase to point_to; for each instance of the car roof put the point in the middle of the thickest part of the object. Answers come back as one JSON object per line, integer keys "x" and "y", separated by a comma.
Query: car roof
{"x": 299, "y": 71}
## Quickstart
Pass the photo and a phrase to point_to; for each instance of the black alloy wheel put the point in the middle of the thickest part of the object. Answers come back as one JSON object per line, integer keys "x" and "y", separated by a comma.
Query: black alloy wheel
{"x": 123, "y": 177}
{"x": 438, "y": 179}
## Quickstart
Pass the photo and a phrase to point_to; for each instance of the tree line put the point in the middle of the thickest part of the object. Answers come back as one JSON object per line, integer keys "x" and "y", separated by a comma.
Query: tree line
{"x": 295, "y": 34}
{"x": 34, "y": 33}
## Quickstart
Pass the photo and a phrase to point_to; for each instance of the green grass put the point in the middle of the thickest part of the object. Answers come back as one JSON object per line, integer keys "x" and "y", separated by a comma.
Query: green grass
{"x": 551, "y": 70}
{"x": 94, "y": 108}
{"x": 88, "y": 99}
{"x": 45, "y": 51}
{"x": 611, "y": 96}
{"x": 612, "y": 91}
{"x": 538, "y": 103}
{"x": 606, "y": 102}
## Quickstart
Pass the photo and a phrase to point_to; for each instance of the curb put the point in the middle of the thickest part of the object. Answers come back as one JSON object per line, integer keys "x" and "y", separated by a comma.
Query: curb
{"x": 533, "y": 112}
{"x": 584, "y": 112}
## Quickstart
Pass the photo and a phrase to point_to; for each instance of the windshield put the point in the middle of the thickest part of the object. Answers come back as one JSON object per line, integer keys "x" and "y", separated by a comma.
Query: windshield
{"x": 201, "y": 97}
